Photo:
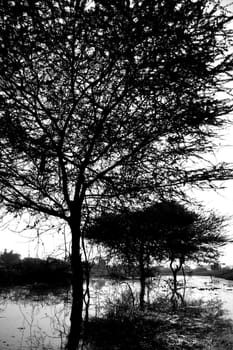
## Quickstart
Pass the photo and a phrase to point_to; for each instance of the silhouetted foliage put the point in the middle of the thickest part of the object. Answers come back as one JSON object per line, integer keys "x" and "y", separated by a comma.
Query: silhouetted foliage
{"x": 101, "y": 101}
{"x": 16, "y": 271}
{"x": 9, "y": 259}
{"x": 165, "y": 231}
{"x": 194, "y": 326}
{"x": 188, "y": 235}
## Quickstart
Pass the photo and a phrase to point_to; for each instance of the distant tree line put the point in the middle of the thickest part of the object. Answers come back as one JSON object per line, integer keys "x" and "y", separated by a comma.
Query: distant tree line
{"x": 14, "y": 270}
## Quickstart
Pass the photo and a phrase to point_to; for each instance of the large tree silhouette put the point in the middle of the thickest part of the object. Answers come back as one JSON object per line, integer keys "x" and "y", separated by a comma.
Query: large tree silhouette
{"x": 100, "y": 102}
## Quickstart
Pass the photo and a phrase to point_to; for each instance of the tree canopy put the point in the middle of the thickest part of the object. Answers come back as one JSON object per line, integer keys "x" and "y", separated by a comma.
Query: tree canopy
{"x": 164, "y": 231}
{"x": 106, "y": 99}
{"x": 188, "y": 234}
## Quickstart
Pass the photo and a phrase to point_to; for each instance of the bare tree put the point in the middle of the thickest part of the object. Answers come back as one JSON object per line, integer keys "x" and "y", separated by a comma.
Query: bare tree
{"x": 102, "y": 101}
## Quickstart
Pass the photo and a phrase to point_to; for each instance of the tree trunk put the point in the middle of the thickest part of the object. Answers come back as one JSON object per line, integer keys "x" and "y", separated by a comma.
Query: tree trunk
{"x": 87, "y": 297}
{"x": 142, "y": 281}
{"x": 175, "y": 281}
{"x": 76, "y": 320}
{"x": 184, "y": 277}
{"x": 176, "y": 296}
{"x": 86, "y": 274}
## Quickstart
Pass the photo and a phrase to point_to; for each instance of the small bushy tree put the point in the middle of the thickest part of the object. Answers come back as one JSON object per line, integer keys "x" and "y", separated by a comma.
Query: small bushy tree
{"x": 131, "y": 237}
{"x": 188, "y": 235}
{"x": 165, "y": 231}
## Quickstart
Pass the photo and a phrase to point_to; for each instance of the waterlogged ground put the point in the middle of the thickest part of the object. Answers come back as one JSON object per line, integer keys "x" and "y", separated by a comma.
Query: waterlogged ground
{"x": 38, "y": 318}
{"x": 197, "y": 287}
{"x": 33, "y": 319}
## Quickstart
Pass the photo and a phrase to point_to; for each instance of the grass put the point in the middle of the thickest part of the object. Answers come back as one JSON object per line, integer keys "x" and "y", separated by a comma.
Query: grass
{"x": 196, "y": 326}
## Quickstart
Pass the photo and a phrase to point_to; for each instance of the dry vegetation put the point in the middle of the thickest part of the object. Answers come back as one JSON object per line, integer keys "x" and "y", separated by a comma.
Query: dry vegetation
{"x": 199, "y": 326}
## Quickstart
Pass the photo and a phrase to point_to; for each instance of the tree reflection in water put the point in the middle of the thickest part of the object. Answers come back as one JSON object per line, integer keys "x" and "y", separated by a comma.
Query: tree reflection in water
{"x": 38, "y": 318}
{"x": 34, "y": 319}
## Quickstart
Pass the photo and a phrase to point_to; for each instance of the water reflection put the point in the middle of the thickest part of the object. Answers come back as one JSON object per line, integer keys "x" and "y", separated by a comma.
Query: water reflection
{"x": 197, "y": 287}
{"x": 38, "y": 318}
{"x": 33, "y": 319}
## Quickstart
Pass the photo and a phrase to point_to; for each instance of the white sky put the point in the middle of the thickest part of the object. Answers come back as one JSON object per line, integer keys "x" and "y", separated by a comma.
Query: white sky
{"x": 221, "y": 200}
{"x": 14, "y": 236}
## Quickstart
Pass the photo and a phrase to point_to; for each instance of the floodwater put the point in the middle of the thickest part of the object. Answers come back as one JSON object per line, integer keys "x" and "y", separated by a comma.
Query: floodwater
{"x": 34, "y": 319}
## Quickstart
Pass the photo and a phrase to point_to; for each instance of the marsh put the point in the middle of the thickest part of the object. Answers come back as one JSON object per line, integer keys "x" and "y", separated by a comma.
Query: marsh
{"x": 35, "y": 317}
